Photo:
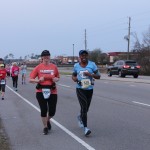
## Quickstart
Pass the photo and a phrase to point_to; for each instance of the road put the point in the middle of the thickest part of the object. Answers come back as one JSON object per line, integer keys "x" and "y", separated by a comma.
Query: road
{"x": 118, "y": 116}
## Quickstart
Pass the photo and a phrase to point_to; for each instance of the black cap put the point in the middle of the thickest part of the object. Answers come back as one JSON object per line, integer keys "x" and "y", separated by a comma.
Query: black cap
{"x": 45, "y": 53}
{"x": 82, "y": 52}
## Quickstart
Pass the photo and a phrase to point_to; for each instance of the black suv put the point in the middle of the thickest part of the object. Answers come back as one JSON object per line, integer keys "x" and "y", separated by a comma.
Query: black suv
{"x": 123, "y": 68}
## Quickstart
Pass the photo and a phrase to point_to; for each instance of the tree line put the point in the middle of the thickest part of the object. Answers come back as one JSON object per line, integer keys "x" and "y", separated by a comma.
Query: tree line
{"x": 139, "y": 53}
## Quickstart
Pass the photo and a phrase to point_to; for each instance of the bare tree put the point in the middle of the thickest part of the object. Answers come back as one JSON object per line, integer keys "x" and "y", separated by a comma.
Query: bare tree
{"x": 146, "y": 39}
{"x": 11, "y": 55}
{"x": 95, "y": 55}
{"x": 6, "y": 57}
{"x": 142, "y": 52}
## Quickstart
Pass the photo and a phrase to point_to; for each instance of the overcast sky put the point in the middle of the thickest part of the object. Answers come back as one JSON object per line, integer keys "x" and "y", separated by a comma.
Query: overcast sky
{"x": 30, "y": 26}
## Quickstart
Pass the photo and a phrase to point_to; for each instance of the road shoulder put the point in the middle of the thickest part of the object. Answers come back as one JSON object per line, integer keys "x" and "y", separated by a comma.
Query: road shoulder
{"x": 4, "y": 140}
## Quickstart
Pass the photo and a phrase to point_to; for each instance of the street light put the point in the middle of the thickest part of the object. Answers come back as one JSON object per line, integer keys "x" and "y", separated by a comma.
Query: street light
{"x": 73, "y": 55}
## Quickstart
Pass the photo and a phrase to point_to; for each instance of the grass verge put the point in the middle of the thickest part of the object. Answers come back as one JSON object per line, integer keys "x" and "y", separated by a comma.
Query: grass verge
{"x": 4, "y": 141}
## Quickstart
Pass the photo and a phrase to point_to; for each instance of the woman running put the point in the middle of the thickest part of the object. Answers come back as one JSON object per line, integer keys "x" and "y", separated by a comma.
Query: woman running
{"x": 23, "y": 68}
{"x": 3, "y": 74}
{"x": 45, "y": 75}
{"x": 14, "y": 75}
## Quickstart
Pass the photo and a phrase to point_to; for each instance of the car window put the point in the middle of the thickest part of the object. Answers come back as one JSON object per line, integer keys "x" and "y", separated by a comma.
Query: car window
{"x": 121, "y": 63}
{"x": 118, "y": 63}
{"x": 131, "y": 63}
{"x": 115, "y": 63}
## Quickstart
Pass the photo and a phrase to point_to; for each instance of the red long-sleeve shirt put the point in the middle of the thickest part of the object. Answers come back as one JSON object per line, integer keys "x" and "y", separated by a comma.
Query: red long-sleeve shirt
{"x": 3, "y": 74}
{"x": 15, "y": 71}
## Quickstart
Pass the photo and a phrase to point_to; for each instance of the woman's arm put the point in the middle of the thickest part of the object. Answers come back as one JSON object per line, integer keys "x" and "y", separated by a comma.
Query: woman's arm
{"x": 41, "y": 79}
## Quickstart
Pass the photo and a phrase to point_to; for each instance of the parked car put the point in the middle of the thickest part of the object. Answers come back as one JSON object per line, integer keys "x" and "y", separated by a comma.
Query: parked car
{"x": 123, "y": 68}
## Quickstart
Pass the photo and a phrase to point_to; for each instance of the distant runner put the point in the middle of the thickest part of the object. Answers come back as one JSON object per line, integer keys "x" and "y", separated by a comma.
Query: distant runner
{"x": 14, "y": 75}
{"x": 8, "y": 69}
{"x": 23, "y": 68}
{"x": 3, "y": 74}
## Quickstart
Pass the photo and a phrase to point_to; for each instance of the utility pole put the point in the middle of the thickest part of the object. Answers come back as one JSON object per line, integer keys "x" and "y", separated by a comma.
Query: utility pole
{"x": 85, "y": 41}
{"x": 73, "y": 55}
{"x": 129, "y": 38}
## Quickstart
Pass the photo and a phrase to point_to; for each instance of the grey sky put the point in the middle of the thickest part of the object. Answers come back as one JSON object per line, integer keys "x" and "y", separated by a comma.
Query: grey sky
{"x": 30, "y": 26}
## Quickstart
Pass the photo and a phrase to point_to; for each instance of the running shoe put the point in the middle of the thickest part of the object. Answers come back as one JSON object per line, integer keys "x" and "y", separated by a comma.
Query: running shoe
{"x": 49, "y": 125}
{"x": 87, "y": 131}
{"x": 80, "y": 123}
{"x": 45, "y": 131}
{"x": 2, "y": 98}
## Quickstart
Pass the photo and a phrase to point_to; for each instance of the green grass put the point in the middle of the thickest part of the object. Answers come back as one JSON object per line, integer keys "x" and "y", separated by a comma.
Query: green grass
{"x": 65, "y": 73}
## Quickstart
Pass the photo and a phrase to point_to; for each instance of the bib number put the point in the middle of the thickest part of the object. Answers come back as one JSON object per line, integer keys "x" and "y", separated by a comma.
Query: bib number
{"x": 85, "y": 83}
{"x": 46, "y": 93}
{"x": 2, "y": 82}
{"x": 16, "y": 72}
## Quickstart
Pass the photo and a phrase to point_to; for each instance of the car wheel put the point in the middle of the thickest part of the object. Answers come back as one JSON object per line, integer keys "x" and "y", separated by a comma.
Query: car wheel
{"x": 109, "y": 73}
{"x": 135, "y": 76}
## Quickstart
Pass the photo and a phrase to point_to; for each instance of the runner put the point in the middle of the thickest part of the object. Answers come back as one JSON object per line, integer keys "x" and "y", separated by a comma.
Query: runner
{"x": 84, "y": 74}
{"x": 45, "y": 75}
{"x": 14, "y": 74}
{"x": 3, "y": 74}
{"x": 8, "y": 69}
{"x": 2, "y": 61}
{"x": 23, "y": 72}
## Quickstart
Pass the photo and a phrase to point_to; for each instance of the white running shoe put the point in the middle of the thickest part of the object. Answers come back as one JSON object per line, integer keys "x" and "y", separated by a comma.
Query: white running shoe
{"x": 87, "y": 131}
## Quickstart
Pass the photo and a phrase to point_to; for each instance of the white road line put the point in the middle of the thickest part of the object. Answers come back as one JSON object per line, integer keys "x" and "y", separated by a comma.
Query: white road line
{"x": 141, "y": 103}
{"x": 132, "y": 85}
{"x": 64, "y": 85}
{"x": 87, "y": 146}
{"x": 106, "y": 82}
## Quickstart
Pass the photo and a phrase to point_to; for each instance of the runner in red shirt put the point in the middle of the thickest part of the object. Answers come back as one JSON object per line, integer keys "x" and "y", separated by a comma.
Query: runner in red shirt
{"x": 45, "y": 75}
{"x": 14, "y": 74}
{"x": 3, "y": 74}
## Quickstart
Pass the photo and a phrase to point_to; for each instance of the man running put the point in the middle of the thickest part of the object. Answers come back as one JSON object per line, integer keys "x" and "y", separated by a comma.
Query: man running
{"x": 84, "y": 74}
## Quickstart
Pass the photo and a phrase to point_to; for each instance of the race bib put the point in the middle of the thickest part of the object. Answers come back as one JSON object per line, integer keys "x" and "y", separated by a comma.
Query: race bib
{"x": 85, "y": 83}
{"x": 2, "y": 82}
{"x": 16, "y": 72}
{"x": 46, "y": 93}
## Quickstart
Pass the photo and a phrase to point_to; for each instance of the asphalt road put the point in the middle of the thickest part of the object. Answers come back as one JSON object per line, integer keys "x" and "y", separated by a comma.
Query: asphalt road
{"x": 118, "y": 116}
